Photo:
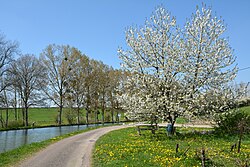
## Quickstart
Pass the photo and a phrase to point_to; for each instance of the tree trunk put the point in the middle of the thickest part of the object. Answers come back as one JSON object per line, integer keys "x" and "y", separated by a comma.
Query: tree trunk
{"x": 240, "y": 137}
{"x": 7, "y": 109}
{"x": 103, "y": 115}
{"x": 172, "y": 121}
{"x": 60, "y": 115}
{"x": 23, "y": 114}
{"x": 96, "y": 116}
{"x": 103, "y": 107}
{"x": 7, "y": 117}
{"x": 26, "y": 116}
{"x": 61, "y": 104}
{"x": 173, "y": 128}
{"x": 87, "y": 116}
{"x": 15, "y": 110}
{"x": 117, "y": 117}
{"x": 1, "y": 119}
{"x": 15, "y": 105}
{"x": 78, "y": 115}
{"x": 112, "y": 115}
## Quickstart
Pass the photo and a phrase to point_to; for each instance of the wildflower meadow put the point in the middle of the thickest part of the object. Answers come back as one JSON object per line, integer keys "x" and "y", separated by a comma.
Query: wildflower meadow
{"x": 126, "y": 148}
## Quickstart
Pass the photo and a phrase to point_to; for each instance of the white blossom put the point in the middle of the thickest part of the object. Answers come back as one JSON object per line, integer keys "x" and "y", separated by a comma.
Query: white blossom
{"x": 177, "y": 71}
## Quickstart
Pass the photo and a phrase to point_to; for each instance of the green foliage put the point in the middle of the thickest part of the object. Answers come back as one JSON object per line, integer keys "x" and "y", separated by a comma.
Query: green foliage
{"x": 15, "y": 124}
{"x": 126, "y": 148}
{"x": 233, "y": 122}
{"x": 108, "y": 117}
{"x": 70, "y": 115}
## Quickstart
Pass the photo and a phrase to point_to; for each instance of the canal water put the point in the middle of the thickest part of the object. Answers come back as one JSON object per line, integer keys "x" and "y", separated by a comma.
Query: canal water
{"x": 15, "y": 138}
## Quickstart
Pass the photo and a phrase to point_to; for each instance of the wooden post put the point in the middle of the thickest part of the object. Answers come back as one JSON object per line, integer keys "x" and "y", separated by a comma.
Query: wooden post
{"x": 203, "y": 157}
{"x": 138, "y": 130}
{"x": 233, "y": 147}
{"x": 240, "y": 137}
{"x": 177, "y": 147}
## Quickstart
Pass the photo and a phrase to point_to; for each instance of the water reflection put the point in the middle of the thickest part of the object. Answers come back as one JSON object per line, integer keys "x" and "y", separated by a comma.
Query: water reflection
{"x": 16, "y": 138}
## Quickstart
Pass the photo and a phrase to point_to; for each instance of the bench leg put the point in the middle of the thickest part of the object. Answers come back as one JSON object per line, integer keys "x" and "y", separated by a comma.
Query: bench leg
{"x": 139, "y": 131}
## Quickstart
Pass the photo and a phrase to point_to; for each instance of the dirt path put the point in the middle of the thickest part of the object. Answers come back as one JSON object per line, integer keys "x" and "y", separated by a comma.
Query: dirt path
{"x": 75, "y": 151}
{"x": 193, "y": 126}
{"x": 180, "y": 125}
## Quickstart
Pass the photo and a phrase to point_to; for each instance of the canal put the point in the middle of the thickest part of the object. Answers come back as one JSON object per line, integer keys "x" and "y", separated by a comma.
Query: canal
{"x": 15, "y": 138}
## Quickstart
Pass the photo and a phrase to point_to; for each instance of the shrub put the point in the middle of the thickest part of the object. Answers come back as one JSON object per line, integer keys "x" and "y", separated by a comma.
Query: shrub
{"x": 15, "y": 124}
{"x": 233, "y": 122}
{"x": 70, "y": 115}
{"x": 107, "y": 117}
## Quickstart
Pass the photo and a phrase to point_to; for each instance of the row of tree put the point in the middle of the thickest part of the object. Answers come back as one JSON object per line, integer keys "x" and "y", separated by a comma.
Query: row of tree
{"x": 62, "y": 76}
{"x": 8, "y": 50}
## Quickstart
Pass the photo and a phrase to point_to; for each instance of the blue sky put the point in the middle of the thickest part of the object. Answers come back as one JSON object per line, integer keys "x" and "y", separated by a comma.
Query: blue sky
{"x": 96, "y": 27}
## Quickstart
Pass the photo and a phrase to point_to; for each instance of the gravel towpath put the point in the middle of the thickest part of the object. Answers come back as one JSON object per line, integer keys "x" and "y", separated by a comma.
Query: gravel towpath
{"x": 74, "y": 151}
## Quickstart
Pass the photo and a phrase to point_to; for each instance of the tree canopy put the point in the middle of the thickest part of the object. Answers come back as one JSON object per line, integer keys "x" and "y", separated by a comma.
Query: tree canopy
{"x": 173, "y": 69}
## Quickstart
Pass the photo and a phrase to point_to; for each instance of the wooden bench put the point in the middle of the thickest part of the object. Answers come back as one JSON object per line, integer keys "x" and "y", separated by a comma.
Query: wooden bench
{"x": 140, "y": 127}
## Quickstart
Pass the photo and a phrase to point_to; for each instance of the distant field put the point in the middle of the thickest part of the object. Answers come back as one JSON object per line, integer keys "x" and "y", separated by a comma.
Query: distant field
{"x": 44, "y": 116}
{"x": 48, "y": 116}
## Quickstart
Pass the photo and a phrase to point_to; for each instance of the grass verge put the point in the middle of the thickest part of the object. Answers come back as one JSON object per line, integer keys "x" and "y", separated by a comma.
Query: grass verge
{"x": 11, "y": 158}
{"x": 125, "y": 148}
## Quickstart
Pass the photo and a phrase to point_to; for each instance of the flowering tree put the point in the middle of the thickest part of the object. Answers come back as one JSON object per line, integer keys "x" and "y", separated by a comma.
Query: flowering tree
{"x": 173, "y": 69}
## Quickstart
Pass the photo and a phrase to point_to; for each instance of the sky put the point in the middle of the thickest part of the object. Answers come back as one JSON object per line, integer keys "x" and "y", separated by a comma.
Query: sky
{"x": 97, "y": 27}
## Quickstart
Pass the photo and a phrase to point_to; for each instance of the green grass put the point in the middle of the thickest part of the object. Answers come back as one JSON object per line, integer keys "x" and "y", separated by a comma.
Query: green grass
{"x": 13, "y": 157}
{"x": 47, "y": 116}
{"x": 43, "y": 116}
{"x": 181, "y": 120}
{"x": 246, "y": 109}
{"x": 125, "y": 148}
